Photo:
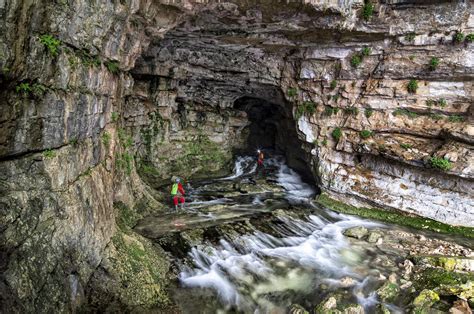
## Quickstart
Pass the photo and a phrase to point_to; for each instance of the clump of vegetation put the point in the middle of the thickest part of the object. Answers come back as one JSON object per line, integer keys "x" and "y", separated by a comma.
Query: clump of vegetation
{"x": 405, "y": 146}
{"x": 410, "y": 37}
{"x": 436, "y": 116}
{"x": 333, "y": 84}
{"x": 336, "y": 134}
{"x": 112, "y": 66}
{"x": 124, "y": 161}
{"x": 51, "y": 43}
{"x": 291, "y": 92}
{"x": 328, "y": 110}
{"x": 106, "y": 138}
{"x": 366, "y": 134}
{"x": 455, "y": 118}
{"x": 440, "y": 102}
{"x": 395, "y": 217}
{"x": 470, "y": 38}
{"x": 459, "y": 37}
{"x": 335, "y": 97}
{"x": 89, "y": 60}
{"x": 23, "y": 88}
{"x": 324, "y": 142}
{"x": 351, "y": 110}
{"x": 306, "y": 108}
{"x": 368, "y": 113}
{"x": 356, "y": 60}
{"x": 412, "y": 57}
{"x": 441, "y": 163}
{"x": 49, "y": 153}
{"x": 434, "y": 62}
{"x": 36, "y": 89}
{"x": 412, "y": 86}
{"x": 367, "y": 10}
{"x": 115, "y": 116}
{"x": 366, "y": 51}
{"x": 404, "y": 112}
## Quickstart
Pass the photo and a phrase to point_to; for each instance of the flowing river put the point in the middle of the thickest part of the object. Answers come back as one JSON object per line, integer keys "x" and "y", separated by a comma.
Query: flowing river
{"x": 297, "y": 255}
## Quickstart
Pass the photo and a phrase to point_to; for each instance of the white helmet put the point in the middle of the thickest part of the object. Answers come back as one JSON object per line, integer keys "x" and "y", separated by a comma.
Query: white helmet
{"x": 177, "y": 180}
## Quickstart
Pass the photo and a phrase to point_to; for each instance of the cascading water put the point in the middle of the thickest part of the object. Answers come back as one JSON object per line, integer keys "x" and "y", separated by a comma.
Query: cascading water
{"x": 263, "y": 246}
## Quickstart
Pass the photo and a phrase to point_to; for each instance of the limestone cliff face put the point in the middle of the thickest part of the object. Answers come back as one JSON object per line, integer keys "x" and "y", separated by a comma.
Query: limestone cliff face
{"x": 100, "y": 100}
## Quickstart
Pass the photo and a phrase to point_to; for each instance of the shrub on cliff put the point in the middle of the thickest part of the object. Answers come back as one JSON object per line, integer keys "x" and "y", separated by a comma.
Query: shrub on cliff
{"x": 336, "y": 134}
{"x": 412, "y": 86}
{"x": 366, "y": 134}
{"x": 440, "y": 163}
{"x": 470, "y": 38}
{"x": 458, "y": 37}
{"x": 434, "y": 62}
{"x": 356, "y": 60}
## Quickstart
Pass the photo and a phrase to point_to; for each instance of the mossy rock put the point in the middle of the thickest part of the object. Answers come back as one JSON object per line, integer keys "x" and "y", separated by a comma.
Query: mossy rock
{"x": 431, "y": 278}
{"x": 388, "y": 292}
{"x": 424, "y": 301}
{"x": 449, "y": 263}
{"x": 356, "y": 232}
{"x": 395, "y": 217}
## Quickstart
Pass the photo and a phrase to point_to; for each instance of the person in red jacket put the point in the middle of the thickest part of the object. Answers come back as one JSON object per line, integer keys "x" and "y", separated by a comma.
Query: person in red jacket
{"x": 260, "y": 165}
{"x": 177, "y": 193}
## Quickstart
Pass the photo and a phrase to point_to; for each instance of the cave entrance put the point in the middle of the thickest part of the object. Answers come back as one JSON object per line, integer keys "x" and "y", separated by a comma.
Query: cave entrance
{"x": 273, "y": 128}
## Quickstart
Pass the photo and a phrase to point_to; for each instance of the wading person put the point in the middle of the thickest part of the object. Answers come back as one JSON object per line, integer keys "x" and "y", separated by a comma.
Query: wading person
{"x": 260, "y": 166}
{"x": 177, "y": 194}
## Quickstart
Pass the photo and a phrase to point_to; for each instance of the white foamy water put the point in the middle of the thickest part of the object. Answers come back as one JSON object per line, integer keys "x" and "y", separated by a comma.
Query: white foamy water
{"x": 246, "y": 272}
{"x": 243, "y": 166}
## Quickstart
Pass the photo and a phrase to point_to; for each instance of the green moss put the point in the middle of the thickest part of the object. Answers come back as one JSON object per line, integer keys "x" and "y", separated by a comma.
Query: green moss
{"x": 324, "y": 142}
{"x": 395, "y": 217}
{"x": 306, "y": 108}
{"x": 470, "y": 38}
{"x": 126, "y": 218}
{"x": 351, "y": 110}
{"x": 115, "y": 116}
{"x": 425, "y": 300}
{"x": 388, "y": 292}
{"x": 333, "y": 84}
{"x": 405, "y": 146}
{"x": 89, "y": 60}
{"x": 106, "y": 138}
{"x": 440, "y": 163}
{"x": 336, "y": 134}
{"x": 49, "y": 153}
{"x": 432, "y": 278}
{"x": 436, "y": 116}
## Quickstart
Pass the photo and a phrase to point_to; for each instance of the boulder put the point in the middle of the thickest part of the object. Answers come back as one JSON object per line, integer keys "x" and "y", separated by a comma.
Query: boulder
{"x": 374, "y": 236}
{"x": 388, "y": 292}
{"x": 460, "y": 307}
{"x": 424, "y": 301}
{"x": 356, "y": 232}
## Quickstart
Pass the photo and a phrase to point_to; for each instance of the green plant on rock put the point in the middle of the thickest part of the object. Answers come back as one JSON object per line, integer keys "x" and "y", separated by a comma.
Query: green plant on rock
{"x": 459, "y": 37}
{"x": 115, "y": 116}
{"x": 324, "y": 142}
{"x": 436, "y": 116}
{"x": 292, "y": 92}
{"x": 38, "y": 89}
{"x": 366, "y": 134}
{"x": 49, "y": 153}
{"x": 430, "y": 102}
{"x": 336, "y": 134}
{"x": 410, "y": 37}
{"x": 51, "y": 43}
{"x": 106, "y": 138}
{"x": 455, "y": 118}
{"x": 89, "y": 60}
{"x": 356, "y": 60}
{"x": 23, "y": 88}
{"x": 405, "y": 146}
{"x": 470, "y": 38}
{"x": 440, "y": 163}
{"x": 442, "y": 102}
{"x": 333, "y": 84}
{"x": 328, "y": 110}
{"x": 112, "y": 66}
{"x": 366, "y": 51}
{"x": 434, "y": 62}
{"x": 124, "y": 162}
{"x": 367, "y": 10}
{"x": 368, "y": 113}
{"x": 351, "y": 110}
{"x": 306, "y": 108}
{"x": 412, "y": 86}
{"x": 404, "y": 112}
